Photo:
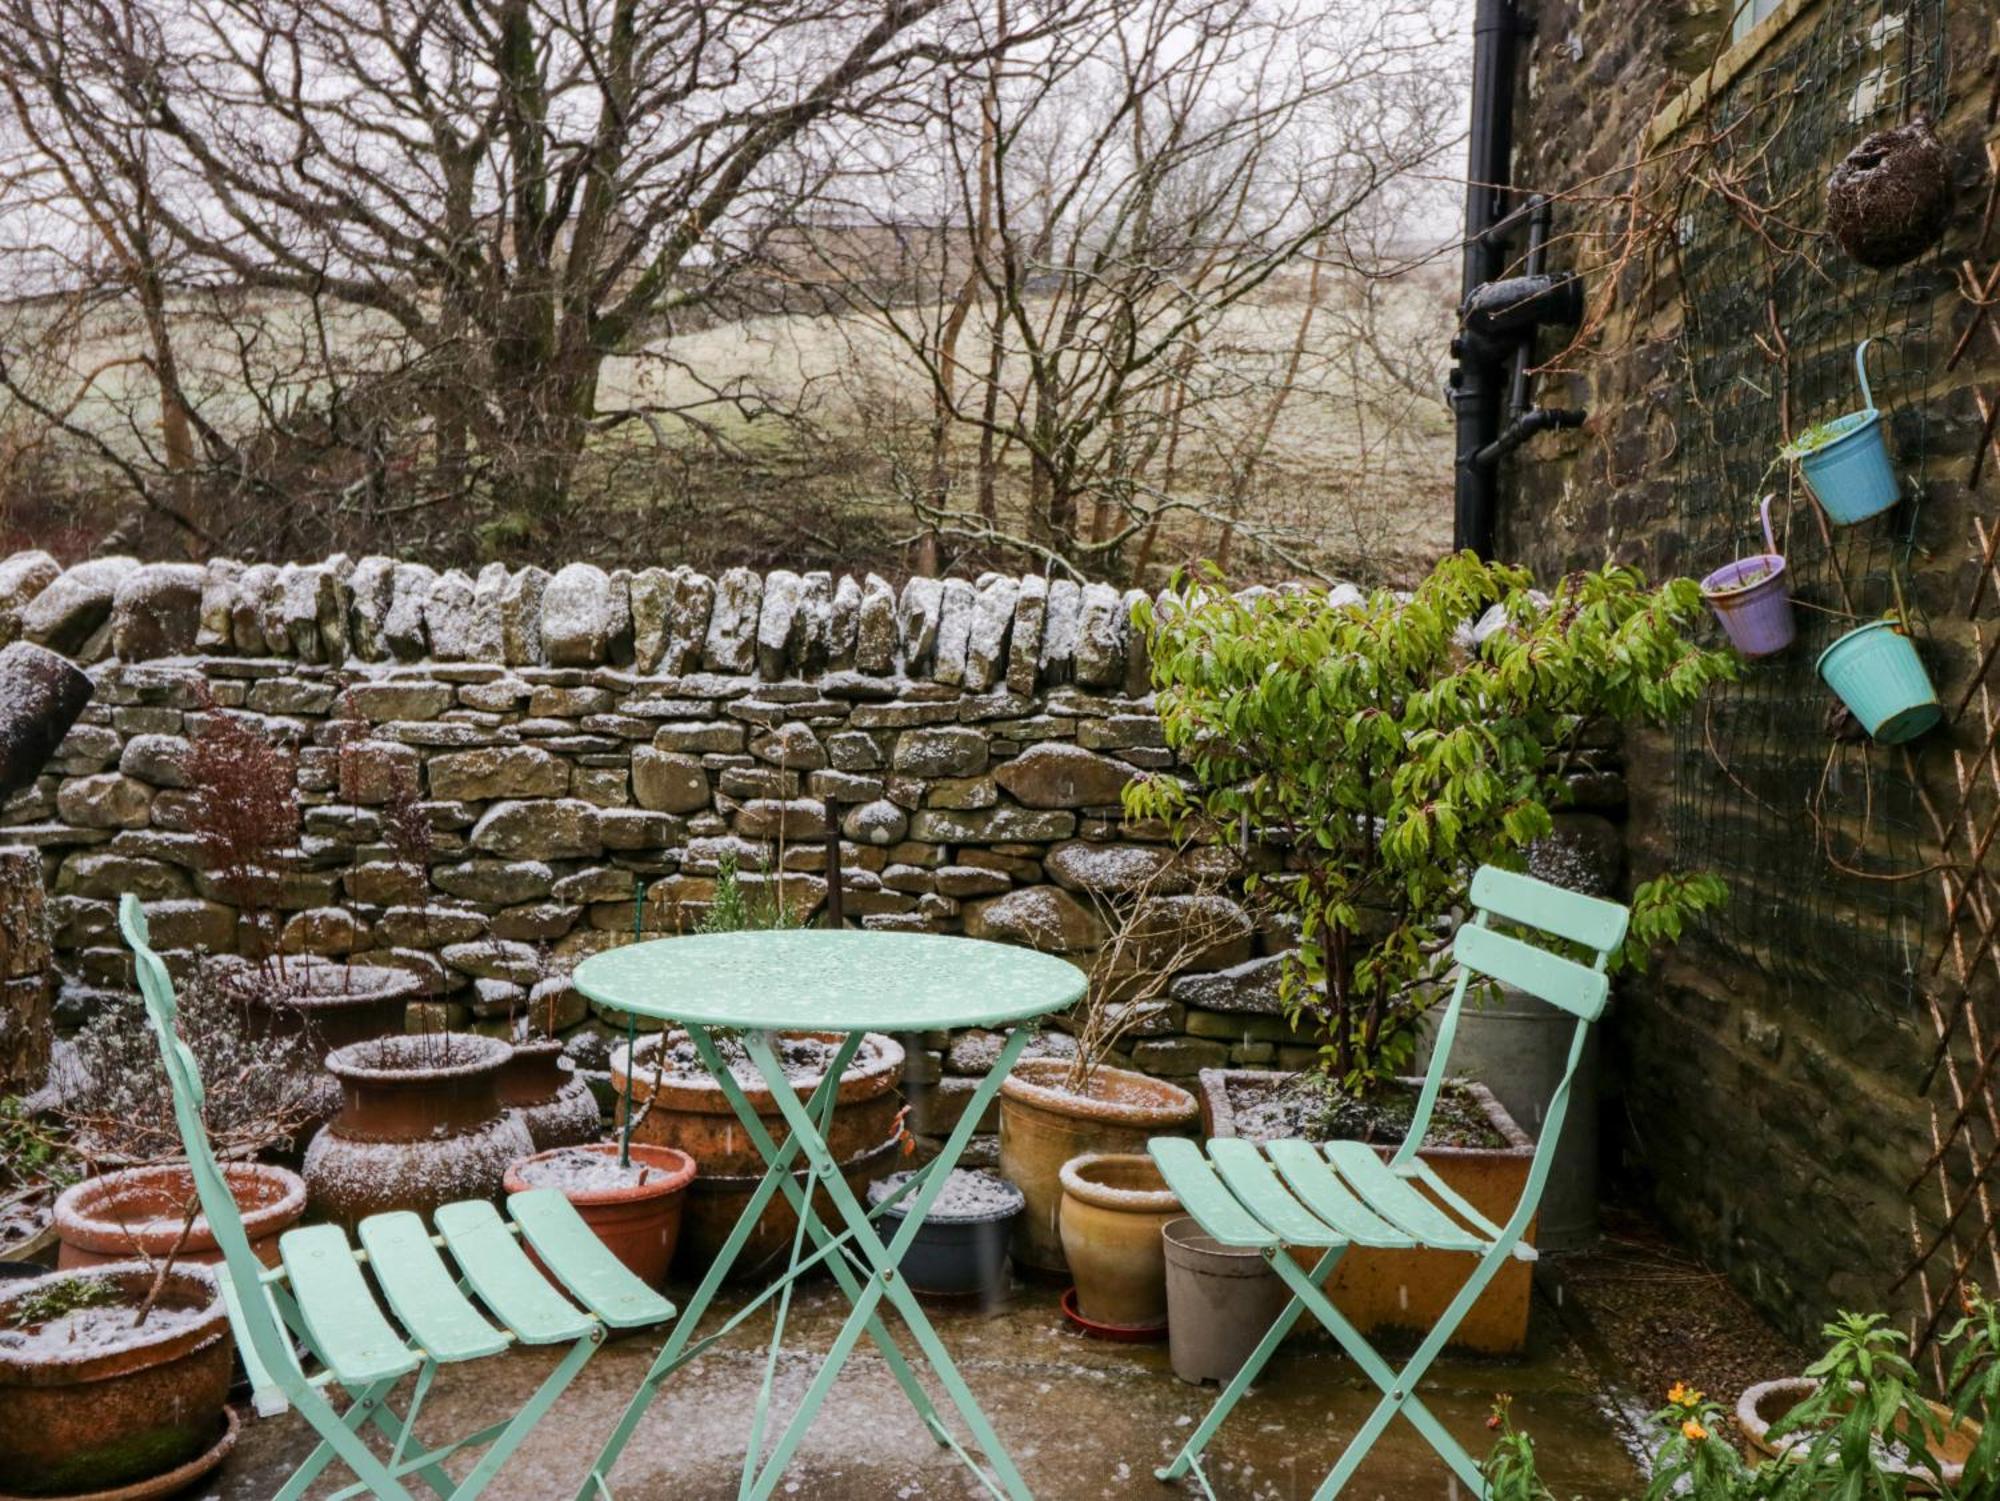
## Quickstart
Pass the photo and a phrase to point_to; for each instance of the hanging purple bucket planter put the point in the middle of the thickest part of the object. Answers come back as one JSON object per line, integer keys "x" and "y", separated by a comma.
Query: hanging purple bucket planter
{"x": 1749, "y": 597}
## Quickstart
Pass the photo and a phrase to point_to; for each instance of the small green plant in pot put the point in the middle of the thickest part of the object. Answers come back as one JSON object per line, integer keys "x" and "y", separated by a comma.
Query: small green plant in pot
{"x": 1389, "y": 748}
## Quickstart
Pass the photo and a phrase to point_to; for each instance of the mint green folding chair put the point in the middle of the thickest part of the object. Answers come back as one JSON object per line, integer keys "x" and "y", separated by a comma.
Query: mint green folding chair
{"x": 1295, "y": 1193}
{"x": 320, "y": 1294}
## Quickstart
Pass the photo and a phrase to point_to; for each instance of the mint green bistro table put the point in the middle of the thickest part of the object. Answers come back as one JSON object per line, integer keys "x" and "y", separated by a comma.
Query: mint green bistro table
{"x": 759, "y": 984}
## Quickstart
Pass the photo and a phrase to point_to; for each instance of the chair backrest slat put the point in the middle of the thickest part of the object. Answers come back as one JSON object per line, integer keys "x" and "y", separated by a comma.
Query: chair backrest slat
{"x": 1588, "y": 920}
{"x": 1581, "y": 990}
{"x": 218, "y": 1205}
{"x": 1559, "y": 981}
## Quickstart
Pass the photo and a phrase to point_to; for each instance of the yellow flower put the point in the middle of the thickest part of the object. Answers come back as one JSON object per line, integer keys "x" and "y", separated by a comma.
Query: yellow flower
{"x": 1680, "y": 1394}
{"x": 1693, "y": 1431}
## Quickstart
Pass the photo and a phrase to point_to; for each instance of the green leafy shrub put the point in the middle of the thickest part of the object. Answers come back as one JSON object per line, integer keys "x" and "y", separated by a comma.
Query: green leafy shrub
{"x": 1388, "y": 751}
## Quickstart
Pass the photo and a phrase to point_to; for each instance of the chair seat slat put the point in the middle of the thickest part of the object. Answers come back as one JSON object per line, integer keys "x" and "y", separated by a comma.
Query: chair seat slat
{"x": 1203, "y": 1194}
{"x": 345, "y": 1326}
{"x": 421, "y": 1290}
{"x": 1309, "y": 1176}
{"x": 507, "y": 1282}
{"x": 1258, "y": 1189}
{"x": 1396, "y": 1200}
{"x": 581, "y": 1262}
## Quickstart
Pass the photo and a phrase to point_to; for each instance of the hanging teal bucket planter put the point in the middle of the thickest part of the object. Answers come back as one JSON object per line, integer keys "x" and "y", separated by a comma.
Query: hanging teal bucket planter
{"x": 1879, "y": 676}
{"x": 1846, "y": 461}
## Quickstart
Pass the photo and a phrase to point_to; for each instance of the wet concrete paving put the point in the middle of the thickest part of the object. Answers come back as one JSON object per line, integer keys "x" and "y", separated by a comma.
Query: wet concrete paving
{"x": 1083, "y": 1419}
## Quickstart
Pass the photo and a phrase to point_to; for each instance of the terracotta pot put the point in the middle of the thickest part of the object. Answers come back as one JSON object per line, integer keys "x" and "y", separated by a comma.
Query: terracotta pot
{"x": 1410, "y": 1290}
{"x": 1114, "y": 1206}
{"x": 1764, "y": 1404}
{"x": 541, "y": 1089}
{"x": 331, "y": 1004}
{"x": 138, "y": 1212}
{"x": 640, "y": 1223}
{"x": 1042, "y": 1126}
{"x": 412, "y": 1133}
{"x": 83, "y": 1422}
{"x": 692, "y": 1116}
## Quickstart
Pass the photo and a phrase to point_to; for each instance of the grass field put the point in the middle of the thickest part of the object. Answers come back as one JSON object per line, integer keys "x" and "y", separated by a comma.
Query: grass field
{"x": 825, "y": 423}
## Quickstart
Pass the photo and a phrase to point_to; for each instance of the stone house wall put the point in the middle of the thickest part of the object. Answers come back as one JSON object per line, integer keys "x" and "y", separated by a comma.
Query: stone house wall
{"x": 1784, "y": 1124}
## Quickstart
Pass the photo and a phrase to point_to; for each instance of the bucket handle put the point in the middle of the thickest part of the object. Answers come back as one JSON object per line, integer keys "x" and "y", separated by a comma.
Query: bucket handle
{"x": 1770, "y": 545}
{"x": 1861, "y": 370}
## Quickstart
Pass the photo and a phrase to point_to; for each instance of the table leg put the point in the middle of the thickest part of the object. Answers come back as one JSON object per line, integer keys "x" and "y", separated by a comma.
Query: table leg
{"x": 887, "y": 1281}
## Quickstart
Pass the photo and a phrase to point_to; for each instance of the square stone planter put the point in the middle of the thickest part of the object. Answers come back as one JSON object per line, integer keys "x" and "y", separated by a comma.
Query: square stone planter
{"x": 1380, "y": 1290}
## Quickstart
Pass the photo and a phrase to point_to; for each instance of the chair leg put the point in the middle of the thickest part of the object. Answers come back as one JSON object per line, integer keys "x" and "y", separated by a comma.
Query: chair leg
{"x": 1398, "y": 1387}
{"x": 502, "y": 1448}
{"x": 1247, "y": 1373}
{"x": 340, "y": 1440}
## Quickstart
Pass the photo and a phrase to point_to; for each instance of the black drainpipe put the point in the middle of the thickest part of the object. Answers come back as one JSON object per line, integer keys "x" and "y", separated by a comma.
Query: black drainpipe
{"x": 1477, "y": 380}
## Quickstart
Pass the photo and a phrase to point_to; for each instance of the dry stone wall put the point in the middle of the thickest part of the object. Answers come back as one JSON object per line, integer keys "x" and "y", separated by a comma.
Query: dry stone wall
{"x": 569, "y": 733}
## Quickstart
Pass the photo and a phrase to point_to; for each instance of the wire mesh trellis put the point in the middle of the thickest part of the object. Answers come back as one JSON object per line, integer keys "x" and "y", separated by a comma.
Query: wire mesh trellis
{"x": 1854, "y": 874}
{"x": 1804, "y": 826}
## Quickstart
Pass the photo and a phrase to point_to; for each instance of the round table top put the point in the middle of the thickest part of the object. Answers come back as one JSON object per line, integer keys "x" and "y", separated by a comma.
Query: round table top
{"x": 840, "y": 980}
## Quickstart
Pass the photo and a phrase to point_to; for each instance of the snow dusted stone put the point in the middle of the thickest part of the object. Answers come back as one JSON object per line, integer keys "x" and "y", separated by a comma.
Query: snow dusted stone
{"x": 1057, "y": 774}
{"x": 666, "y": 782}
{"x": 109, "y": 800}
{"x": 1060, "y": 627}
{"x": 986, "y": 639}
{"x": 793, "y": 746}
{"x": 448, "y": 616}
{"x": 652, "y": 594}
{"x": 563, "y": 828}
{"x": 485, "y": 640}
{"x": 157, "y": 760}
{"x": 782, "y": 590}
{"x": 940, "y": 752}
{"x": 521, "y": 616}
{"x": 501, "y": 882}
{"x": 954, "y": 631}
{"x": 369, "y": 588}
{"x": 1041, "y": 917}
{"x": 917, "y": 622}
{"x": 1024, "y": 660}
{"x": 618, "y": 623}
{"x": 812, "y": 624}
{"x": 1250, "y": 987}
{"x": 156, "y": 611}
{"x": 1111, "y": 869}
{"x": 1100, "y": 637}
{"x": 22, "y": 577}
{"x": 65, "y": 614}
{"x": 843, "y": 623}
{"x": 782, "y": 818}
{"x": 875, "y": 627}
{"x": 1138, "y": 656}
{"x": 271, "y": 617}
{"x": 880, "y": 823}
{"x": 403, "y": 626}
{"x": 576, "y": 616}
{"x": 687, "y": 626}
{"x": 246, "y": 615}
{"x": 732, "y": 623}
{"x": 310, "y": 604}
{"x": 494, "y": 959}
{"x": 497, "y": 771}
{"x": 1199, "y": 930}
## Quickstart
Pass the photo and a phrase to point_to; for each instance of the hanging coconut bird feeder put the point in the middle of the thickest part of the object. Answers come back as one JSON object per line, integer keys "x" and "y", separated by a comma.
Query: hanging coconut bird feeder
{"x": 1888, "y": 200}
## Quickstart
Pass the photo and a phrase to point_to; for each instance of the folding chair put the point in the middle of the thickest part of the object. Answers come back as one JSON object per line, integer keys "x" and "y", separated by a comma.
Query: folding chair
{"x": 1327, "y": 1198}
{"x": 320, "y": 1293}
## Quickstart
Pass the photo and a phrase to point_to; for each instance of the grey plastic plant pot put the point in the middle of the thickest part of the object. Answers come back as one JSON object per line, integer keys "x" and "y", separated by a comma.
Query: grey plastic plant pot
{"x": 1220, "y": 1301}
{"x": 957, "y": 1257}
